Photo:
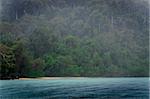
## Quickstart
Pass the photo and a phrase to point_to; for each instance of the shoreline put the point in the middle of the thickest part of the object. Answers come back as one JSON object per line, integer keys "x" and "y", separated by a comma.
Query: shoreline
{"x": 50, "y": 78}
{"x": 55, "y": 78}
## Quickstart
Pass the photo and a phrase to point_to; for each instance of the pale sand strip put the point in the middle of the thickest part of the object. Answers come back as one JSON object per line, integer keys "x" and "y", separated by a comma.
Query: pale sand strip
{"x": 50, "y": 78}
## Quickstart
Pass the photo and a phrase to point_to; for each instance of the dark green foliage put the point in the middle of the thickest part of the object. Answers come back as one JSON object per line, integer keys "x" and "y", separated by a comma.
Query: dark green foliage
{"x": 36, "y": 69}
{"x": 7, "y": 63}
{"x": 22, "y": 57}
{"x": 77, "y": 37}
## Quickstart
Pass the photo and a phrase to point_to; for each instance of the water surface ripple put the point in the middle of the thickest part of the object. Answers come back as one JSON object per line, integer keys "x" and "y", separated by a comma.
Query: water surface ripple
{"x": 72, "y": 88}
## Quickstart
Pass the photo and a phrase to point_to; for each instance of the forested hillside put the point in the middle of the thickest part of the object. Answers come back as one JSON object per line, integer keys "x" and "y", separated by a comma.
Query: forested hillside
{"x": 74, "y": 38}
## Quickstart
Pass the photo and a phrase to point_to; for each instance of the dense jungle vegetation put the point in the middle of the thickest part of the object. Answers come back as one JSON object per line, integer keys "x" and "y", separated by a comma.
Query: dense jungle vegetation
{"x": 74, "y": 38}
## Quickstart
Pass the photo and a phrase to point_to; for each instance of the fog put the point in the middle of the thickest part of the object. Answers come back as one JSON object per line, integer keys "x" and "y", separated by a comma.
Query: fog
{"x": 0, "y": 5}
{"x": 76, "y": 37}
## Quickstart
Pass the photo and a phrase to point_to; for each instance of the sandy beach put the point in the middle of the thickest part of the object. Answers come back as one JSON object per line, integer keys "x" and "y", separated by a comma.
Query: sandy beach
{"x": 49, "y": 78}
{"x": 44, "y": 78}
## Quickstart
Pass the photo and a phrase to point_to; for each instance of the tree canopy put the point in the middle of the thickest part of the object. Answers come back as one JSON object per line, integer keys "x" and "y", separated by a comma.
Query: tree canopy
{"x": 74, "y": 38}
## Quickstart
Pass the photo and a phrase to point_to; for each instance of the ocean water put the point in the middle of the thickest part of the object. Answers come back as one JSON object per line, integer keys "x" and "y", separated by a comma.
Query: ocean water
{"x": 76, "y": 88}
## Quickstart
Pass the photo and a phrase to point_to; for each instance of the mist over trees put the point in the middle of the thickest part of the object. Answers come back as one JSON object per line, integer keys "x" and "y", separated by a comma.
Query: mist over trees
{"x": 74, "y": 38}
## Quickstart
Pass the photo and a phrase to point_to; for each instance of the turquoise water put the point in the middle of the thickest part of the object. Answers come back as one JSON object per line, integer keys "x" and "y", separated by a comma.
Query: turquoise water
{"x": 72, "y": 88}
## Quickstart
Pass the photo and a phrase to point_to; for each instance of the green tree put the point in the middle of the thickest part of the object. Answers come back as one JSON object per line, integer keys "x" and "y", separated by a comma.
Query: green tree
{"x": 7, "y": 62}
{"x": 22, "y": 57}
{"x": 37, "y": 68}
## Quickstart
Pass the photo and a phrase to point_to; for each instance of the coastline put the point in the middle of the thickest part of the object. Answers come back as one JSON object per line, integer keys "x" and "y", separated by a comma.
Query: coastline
{"x": 44, "y": 78}
{"x": 49, "y": 78}
{"x": 55, "y": 78}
